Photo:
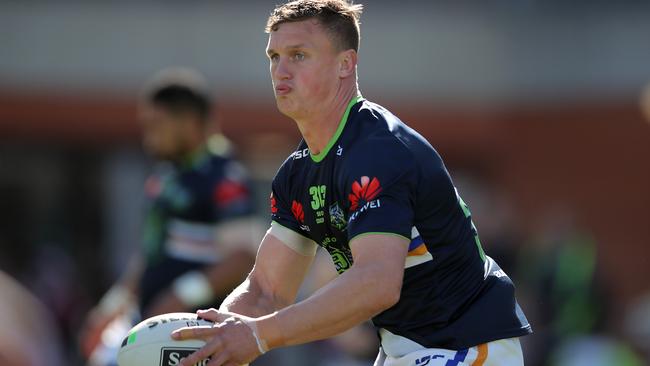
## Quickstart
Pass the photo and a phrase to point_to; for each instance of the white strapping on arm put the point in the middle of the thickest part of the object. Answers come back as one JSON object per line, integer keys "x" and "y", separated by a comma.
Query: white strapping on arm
{"x": 300, "y": 244}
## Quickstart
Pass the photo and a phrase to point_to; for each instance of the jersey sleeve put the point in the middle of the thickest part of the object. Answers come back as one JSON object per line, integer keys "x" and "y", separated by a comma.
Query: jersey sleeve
{"x": 379, "y": 183}
{"x": 286, "y": 211}
{"x": 288, "y": 216}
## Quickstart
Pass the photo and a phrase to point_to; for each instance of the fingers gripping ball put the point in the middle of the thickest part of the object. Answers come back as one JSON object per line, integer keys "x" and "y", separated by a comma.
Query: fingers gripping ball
{"x": 149, "y": 343}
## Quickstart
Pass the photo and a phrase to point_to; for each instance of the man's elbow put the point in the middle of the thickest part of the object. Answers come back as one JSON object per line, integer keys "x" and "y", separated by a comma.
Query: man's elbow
{"x": 392, "y": 296}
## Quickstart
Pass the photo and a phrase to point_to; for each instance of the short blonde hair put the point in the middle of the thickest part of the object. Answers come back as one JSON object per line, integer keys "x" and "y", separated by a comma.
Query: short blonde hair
{"x": 339, "y": 17}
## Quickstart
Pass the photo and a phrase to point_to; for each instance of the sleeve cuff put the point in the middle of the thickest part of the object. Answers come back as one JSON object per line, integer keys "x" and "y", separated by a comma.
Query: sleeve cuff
{"x": 299, "y": 243}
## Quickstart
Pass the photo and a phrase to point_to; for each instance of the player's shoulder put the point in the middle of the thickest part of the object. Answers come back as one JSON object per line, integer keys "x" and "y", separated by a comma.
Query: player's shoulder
{"x": 220, "y": 150}
{"x": 221, "y": 163}
{"x": 375, "y": 130}
{"x": 388, "y": 124}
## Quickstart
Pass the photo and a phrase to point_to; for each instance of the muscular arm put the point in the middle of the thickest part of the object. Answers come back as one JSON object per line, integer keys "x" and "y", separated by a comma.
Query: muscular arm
{"x": 273, "y": 283}
{"x": 370, "y": 286}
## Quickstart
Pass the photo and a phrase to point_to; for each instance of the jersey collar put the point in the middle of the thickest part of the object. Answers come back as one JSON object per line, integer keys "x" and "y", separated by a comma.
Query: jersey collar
{"x": 320, "y": 156}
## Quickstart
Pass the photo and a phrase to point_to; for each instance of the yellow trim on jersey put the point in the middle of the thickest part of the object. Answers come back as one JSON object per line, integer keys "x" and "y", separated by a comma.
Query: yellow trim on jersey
{"x": 414, "y": 260}
{"x": 482, "y": 354}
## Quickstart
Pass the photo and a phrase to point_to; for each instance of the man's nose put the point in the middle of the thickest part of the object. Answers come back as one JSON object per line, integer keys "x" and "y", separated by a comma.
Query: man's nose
{"x": 282, "y": 70}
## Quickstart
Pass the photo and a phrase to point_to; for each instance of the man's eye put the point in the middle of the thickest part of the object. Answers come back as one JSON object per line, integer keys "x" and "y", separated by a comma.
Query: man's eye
{"x": 299, "y": 56}
{"x": 274, "y": 57}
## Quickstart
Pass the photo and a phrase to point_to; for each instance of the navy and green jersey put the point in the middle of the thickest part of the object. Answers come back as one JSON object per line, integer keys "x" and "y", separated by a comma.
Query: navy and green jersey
{"x": 377, "y": 175}
{"x": 186, "y": 203}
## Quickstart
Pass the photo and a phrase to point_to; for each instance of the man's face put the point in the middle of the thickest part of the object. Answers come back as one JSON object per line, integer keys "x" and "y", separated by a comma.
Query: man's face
{"x": 162, "y": 132}
{"x": 304, "y": 67}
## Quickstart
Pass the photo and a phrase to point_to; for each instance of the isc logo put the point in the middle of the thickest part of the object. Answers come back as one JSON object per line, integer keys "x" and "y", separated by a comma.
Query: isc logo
{"x": 173, "y": 356}
{"x": 299, "y": 154}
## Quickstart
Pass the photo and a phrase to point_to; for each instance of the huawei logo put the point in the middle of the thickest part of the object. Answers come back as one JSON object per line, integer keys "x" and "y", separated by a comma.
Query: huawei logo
{"x": 298, "y": 212}
{"x": 363, "y": 192}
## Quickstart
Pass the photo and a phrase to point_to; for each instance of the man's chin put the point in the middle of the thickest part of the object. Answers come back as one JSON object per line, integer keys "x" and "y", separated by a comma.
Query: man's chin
{"x": 284, "y": 107}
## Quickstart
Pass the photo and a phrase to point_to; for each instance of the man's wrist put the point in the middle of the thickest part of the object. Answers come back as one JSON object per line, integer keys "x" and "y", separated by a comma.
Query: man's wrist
{"x": 261, "y": 343}
{"x": 193, "y": 289}
{"x": 269, "y": 331}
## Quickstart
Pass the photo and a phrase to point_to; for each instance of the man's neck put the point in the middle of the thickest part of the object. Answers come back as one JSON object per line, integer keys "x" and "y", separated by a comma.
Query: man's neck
{"x": 194, "y": 149}
{"x": 319, "y": 129}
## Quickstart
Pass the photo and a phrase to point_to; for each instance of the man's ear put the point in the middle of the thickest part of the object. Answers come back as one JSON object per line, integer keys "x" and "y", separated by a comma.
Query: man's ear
{"x": 347, "y": 63}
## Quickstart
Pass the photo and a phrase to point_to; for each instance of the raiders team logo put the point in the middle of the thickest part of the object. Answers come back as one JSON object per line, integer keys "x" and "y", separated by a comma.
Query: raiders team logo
{"x": 341, "y": 259}
{"x": 337, "y": 217}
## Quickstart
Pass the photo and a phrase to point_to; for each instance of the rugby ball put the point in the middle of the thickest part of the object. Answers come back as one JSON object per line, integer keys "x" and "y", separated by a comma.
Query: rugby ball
{"x": 149, "y": 343}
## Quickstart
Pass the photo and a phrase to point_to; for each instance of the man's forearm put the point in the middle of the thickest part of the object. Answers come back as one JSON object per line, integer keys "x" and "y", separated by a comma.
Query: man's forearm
{"x": 272, "y": 284}
{"x": 349, "y": 300}
{"x": 372, "y": 285}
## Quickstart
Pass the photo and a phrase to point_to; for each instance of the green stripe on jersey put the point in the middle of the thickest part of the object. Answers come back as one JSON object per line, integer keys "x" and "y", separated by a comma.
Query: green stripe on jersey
{"x": 320, "y": 156}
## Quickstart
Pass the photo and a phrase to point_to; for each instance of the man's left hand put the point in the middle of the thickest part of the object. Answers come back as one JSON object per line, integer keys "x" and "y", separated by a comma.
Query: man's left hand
{"x": 230, "y": 342}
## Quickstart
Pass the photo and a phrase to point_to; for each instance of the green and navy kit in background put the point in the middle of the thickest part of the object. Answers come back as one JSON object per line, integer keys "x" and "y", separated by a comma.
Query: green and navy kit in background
{"x": 186, "y": 201}
{"x": 377, "y": 175}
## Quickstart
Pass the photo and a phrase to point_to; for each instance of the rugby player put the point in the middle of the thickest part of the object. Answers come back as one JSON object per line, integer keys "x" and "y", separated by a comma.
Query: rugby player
{"x": 377, "y": 196}
{"x": 198, "y": 236}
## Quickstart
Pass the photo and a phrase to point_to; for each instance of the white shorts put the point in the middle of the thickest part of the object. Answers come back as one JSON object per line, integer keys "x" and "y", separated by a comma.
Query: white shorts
{"x": 503, "y": 352}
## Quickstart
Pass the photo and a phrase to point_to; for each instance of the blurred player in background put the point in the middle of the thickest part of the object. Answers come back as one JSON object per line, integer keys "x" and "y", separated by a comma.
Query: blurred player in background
{"x": 378, "y": 198}
{"x": 199, "y": 237}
